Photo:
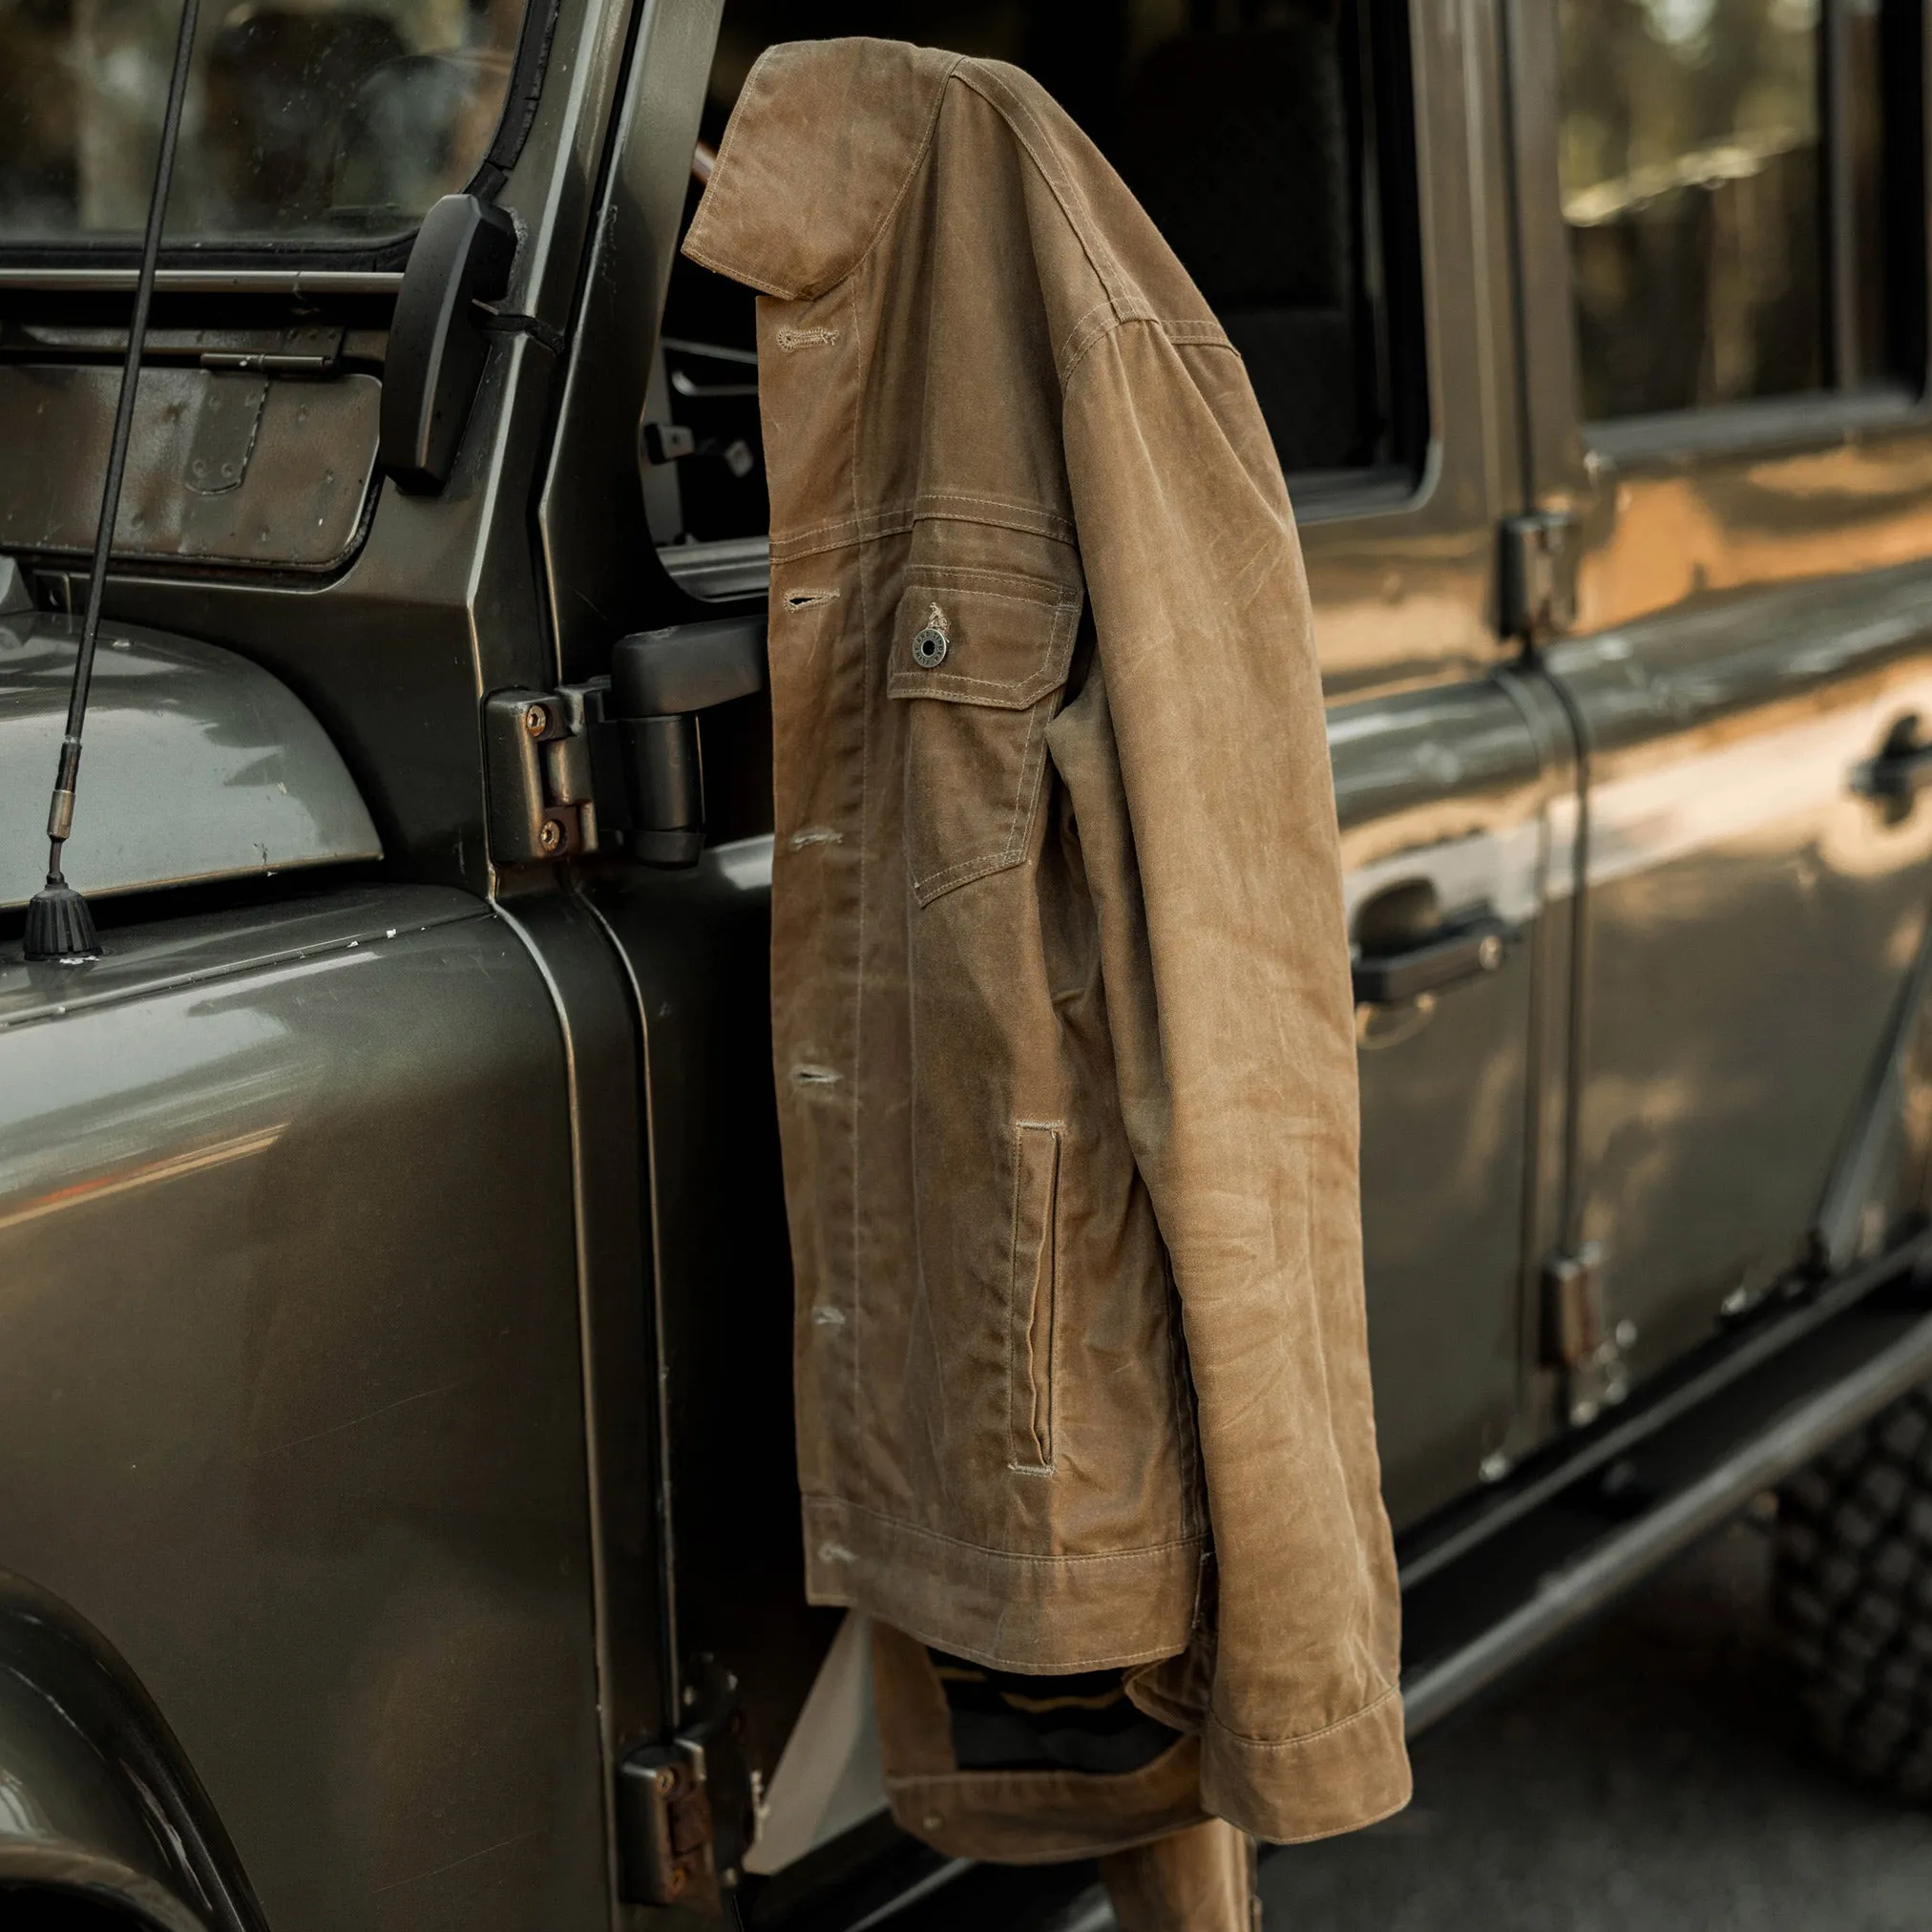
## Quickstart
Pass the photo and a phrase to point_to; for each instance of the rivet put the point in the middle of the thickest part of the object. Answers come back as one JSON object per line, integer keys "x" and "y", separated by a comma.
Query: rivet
{"x": 665, "y": 1781}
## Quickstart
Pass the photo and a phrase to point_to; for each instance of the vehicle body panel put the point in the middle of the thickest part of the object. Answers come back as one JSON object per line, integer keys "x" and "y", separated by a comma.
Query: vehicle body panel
{"x": 1446, "y": 788}
{"x": 1751, "y": 919}
{"x": 1750, "y": 627}
{"x": 291, "y": 1389}
{"x": 251, "y": 785}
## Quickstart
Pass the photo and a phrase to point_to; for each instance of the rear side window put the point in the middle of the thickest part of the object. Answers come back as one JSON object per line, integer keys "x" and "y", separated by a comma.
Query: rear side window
{"x": 1729, "y": 173}
{"x": 310, "y": 119}
{"x": 1249, "y": 136}
{"x": 1270, "y": 141}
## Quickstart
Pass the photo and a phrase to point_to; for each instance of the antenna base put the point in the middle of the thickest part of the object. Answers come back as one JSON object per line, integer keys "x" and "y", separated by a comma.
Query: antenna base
{"x": 59, "y": 926}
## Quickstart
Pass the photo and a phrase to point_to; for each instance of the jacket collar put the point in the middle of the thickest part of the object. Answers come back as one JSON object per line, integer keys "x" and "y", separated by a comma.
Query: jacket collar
{"x": 819, "y": 148}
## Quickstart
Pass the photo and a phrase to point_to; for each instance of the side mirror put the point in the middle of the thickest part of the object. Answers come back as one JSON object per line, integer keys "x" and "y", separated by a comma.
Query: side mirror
{"x": 462, "y": 256}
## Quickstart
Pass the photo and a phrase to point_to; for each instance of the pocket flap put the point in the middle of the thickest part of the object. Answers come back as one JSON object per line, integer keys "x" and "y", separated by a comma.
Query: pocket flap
{"x": 981, "y": 636}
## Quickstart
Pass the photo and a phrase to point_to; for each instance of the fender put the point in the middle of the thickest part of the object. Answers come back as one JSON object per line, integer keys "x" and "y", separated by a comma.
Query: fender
{"x": 97, "y": 1799}
{"x": 200, "y": 765}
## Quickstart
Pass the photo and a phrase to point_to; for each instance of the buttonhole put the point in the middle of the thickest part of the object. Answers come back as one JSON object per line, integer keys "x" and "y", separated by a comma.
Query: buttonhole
{"x": 828, "y": 1318}
{"x": 816, "y": 835}
{"x": 790, "y": 339}
{"x": 835, "y": 1552}
{"x": 807, "y": 599}
{"x": 815, "y": 1076}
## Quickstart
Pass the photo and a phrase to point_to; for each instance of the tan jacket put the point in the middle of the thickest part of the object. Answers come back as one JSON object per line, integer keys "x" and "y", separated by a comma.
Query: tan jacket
{"x": 1064, "y": 1029}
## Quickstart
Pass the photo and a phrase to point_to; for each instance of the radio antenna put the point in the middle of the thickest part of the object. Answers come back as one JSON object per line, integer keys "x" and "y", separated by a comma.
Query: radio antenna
{"x": 59, "y": 926}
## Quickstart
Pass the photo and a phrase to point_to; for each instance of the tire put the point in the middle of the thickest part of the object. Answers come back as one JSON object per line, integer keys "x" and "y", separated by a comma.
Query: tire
{"x": 1852, "y": 1590}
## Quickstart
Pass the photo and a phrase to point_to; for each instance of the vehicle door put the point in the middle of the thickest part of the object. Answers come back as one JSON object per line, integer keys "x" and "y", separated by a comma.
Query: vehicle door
{"x": 1329, "y": 178}
{"x": 1724, "y": 286}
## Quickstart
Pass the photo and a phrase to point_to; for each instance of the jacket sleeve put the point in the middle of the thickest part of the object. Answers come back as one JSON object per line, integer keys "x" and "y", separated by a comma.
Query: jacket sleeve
{"x": 1196, "y": 761}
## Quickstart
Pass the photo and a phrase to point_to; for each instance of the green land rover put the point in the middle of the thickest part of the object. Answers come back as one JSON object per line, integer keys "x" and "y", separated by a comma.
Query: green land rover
{"x": 397, "y": 1517}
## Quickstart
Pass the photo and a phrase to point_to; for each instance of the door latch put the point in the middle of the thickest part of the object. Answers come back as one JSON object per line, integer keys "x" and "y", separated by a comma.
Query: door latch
{"x": 1539, "y": 576}
{"x": 615, "y": 762}
{"x": 1578, "y": 1338}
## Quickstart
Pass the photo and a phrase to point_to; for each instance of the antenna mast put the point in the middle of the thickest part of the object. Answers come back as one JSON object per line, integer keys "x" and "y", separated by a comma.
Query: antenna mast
{"x": 59, "y": 926}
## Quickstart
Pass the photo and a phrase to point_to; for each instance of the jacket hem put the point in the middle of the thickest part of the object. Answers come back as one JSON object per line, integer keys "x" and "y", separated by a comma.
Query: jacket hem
{"x": 1036, "y": 1818}
{"x": 1006, "y": 1610}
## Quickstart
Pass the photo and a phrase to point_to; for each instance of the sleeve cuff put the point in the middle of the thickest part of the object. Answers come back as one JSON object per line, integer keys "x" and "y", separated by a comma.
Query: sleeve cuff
{"x": 1294, "y": 1788}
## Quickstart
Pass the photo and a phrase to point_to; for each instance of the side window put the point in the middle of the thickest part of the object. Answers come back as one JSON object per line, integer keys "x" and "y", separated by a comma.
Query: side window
{"x": 1263, "y": 137}
{"x": 1723, "y": 168}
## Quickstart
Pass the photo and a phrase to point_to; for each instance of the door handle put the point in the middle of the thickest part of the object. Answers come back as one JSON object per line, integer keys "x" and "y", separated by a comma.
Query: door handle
{"x": 1902, "y": 770}
{"x": 1471, "y": 947}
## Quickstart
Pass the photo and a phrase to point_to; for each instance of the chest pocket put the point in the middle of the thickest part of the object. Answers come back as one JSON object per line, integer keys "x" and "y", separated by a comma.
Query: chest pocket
{"x": 980, "y": 659}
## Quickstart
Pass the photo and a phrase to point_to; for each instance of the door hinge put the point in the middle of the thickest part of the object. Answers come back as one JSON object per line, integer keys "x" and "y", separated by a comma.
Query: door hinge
{"x": 1578, "y": 1338}
{"x": 615, "y": 763}
{"x": 1538, "y": 575}
{"x": 542, "y": 798}
{"x": 687, "y": 1812}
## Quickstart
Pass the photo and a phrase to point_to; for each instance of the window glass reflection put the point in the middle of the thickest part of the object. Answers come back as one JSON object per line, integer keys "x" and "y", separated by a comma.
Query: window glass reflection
{"x": 312, "y": 118}
{"x": 1690, "y": 169}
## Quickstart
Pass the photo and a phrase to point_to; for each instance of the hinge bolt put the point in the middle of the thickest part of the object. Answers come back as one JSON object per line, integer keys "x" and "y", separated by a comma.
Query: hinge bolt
{"x": 550, "y": 835}
{"x": 535, "y": 721}
{"x": 665, "y": 1781}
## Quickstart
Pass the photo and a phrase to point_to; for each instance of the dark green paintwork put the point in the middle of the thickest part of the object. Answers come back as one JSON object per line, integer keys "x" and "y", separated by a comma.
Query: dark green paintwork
{"x": 290, "y": 1393}
{"x": 252, "y": 785}
{"x": 393, "y": 1308}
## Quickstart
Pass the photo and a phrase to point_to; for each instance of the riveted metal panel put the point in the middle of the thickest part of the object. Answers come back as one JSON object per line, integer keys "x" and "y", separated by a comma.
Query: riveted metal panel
{"x": 300, "y": 465}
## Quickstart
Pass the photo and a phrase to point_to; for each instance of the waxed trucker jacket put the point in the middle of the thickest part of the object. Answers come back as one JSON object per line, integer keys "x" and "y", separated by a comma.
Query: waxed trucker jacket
{"x": 1062, "y": 1024}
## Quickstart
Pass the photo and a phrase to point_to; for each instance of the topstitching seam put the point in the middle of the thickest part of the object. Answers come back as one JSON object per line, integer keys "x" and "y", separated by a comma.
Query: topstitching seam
{"x": 999, "y": 1556}
{"x": 1242, "y": 1738}
{"x": 863, "y": 366}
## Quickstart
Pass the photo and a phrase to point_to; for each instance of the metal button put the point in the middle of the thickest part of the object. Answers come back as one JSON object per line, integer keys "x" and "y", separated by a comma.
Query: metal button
{"x": 930, "y": 647}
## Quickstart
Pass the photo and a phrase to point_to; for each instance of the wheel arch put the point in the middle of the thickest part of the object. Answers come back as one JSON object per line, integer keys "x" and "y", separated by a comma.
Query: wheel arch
{"x": 98, "y": 1802}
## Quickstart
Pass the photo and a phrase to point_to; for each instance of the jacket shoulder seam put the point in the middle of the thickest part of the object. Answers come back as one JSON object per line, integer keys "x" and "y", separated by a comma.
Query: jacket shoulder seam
{"x": 1018, "y": 117}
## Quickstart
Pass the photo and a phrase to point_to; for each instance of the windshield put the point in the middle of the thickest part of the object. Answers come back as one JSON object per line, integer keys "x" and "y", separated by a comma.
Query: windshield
{"x": 306, "y": 119}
